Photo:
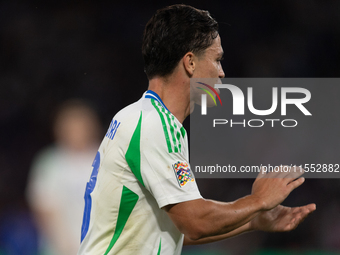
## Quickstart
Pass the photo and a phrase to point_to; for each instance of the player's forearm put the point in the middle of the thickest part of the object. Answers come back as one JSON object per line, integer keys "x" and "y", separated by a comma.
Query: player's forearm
{"x": 202, "y": 218}
{"x": 221, "y": 218}
{"x": 245, "y": 228}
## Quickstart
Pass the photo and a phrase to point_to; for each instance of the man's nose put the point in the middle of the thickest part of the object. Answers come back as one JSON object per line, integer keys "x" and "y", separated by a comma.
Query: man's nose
{"x": 221, "y": 73}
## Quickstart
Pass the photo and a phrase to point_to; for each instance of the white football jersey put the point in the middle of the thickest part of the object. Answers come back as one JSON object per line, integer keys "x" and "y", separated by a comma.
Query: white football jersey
{"x": 141, "y": 166}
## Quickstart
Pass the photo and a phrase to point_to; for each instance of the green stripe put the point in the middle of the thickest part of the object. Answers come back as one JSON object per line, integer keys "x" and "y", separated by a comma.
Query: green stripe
{"x": 179, "y": 142}
{"x": 132, "y": 155}
{"x": 178, "y": 135}
{"x": 172, "y": 129}
{"x": 127, "y": 203}
{"x": 159, "y": 247}
{"x": 164, "y": 126}
{"x": 182, "y": 131}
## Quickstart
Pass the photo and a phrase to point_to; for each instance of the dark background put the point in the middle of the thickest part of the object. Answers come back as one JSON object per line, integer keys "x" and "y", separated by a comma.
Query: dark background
{"x": 51, "y": 51}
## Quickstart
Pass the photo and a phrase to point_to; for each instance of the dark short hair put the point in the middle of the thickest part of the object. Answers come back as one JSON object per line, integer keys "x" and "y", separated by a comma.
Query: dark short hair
{"x": 171, "y": 33}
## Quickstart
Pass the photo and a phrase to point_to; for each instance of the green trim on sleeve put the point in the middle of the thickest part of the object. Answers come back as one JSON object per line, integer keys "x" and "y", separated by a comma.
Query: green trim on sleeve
{"x": 132, "y": 155}
{"x": 172, "y": 129}
{"x": 183, "y": 131}
{"x": 164, "y": 126}
{"x": 127, "y": 203}
{"x": 178, "y": 136}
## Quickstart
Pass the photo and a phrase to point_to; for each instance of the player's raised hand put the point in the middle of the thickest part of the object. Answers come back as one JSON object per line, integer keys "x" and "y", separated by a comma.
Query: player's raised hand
{"x": 281, "y": 218}
{"x": 273, "y": 187}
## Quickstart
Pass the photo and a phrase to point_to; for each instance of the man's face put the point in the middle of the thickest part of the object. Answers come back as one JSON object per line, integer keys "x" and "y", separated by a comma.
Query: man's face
{"x": 208, "y": 65}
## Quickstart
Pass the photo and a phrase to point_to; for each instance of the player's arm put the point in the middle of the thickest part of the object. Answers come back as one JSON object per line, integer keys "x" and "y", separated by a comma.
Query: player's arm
{"x": 245, "y": 228}
{"x": 278, "y": 219}
{"x": 199, "y": 219}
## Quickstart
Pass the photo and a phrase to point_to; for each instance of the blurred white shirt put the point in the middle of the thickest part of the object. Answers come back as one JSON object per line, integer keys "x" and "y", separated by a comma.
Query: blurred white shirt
{"x": 56, "y": 189}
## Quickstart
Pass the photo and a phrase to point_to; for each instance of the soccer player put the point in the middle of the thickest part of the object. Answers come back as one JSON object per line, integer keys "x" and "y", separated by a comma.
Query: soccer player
{"x": 142, "y": 197}
{"x": 58, "y": 177}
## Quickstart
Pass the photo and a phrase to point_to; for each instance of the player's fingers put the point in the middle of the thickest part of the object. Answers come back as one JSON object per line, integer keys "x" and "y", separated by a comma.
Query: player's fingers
{"x": 293, "y": 173}
{"x": 303, "y": 210}
{"x": 298, "y": 215}
{"x": 299, "y": 218}
{"x": 277, "y": 172}
{"x": 309, "y": 208}
{"x": 282, "y": 171}
{"x": 295, "y": 221}
{"x": 262, "y": 173}
{"x": 289, "y": 173}
{"x": 296, "y": 183}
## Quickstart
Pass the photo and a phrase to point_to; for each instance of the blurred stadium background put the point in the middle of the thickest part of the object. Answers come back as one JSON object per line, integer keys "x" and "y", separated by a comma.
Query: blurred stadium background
{"x": 52, "y": 51}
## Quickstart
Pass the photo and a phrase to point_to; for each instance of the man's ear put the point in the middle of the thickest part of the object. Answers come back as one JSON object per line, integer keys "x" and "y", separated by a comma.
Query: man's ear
{"x": 189, "y": 63}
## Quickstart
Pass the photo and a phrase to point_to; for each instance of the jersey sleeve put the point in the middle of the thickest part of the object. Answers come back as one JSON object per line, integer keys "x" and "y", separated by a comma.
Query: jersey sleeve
{"x": 164, "y": 168}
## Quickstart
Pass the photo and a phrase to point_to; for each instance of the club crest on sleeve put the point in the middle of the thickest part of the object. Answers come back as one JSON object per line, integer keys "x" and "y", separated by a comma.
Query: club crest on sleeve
{"x": 183, "y": 173}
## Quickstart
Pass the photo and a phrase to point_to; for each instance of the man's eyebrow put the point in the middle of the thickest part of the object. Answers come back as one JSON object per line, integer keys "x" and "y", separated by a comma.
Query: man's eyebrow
{"x": 221, "y": 54}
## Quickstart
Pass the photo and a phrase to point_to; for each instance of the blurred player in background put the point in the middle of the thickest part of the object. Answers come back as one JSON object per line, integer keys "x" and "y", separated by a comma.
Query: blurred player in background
{"x": 58, "y": 177}
{"x": 142, "y": 197}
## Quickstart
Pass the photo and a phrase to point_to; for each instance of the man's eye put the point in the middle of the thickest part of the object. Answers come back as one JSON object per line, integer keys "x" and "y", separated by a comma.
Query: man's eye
{"x": 220, "y": 59}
